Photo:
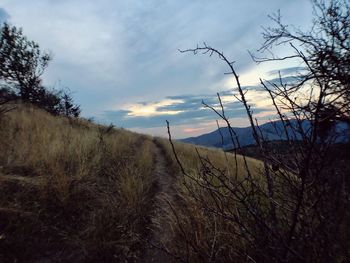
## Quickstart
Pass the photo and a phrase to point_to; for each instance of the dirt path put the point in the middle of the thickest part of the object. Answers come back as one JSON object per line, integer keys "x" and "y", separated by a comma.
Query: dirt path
{"x": 35, "y": 181}
{"x": 160, "y": 230}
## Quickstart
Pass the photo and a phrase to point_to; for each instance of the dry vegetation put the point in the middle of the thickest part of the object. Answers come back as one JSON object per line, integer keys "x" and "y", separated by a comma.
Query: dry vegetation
{"x": 217, "y": 213}
{"x": 74, "y": 191}
{"x": 199, "y": 233}
{"x": 71, "y": 190}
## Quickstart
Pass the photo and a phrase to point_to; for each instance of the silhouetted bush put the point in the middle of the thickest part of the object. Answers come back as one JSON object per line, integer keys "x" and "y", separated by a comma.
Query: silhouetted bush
{"x": 295, "y": 206}
{"x": 22, "y": 64}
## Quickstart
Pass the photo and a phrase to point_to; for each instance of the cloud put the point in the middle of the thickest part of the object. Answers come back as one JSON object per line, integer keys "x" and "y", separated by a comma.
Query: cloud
{"x": 4, "y": 16}
{"x": 189, "y": 113}
{"x": 291, "y": 71}
{"x": 121, "y": 59}
{"x": 144, "y": 109}
{"x": 113, "y": 52}
{"x": 183, "y": 109}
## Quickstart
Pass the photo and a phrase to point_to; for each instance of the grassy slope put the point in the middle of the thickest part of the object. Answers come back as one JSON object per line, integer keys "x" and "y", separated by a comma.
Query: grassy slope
{"x": 71, "y": 190}
{"x": 208, "y": 237}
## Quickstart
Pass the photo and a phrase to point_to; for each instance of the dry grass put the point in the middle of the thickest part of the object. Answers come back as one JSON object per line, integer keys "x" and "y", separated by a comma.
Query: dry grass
{"x": 206, "y": 216}
{"x": 198, "y": 234}
{"x": 71, "y": 190}
{"x": 74, "y": 191}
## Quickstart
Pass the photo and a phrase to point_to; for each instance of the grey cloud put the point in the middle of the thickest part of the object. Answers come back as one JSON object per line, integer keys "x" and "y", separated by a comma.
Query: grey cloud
{"x": 286, "y": 80}
{"x": 191, "y": 108}
{"x": 4, "y": 16}
{"x": 113, "y": 53}
{"x": 190, "y": 117}
{"x": 287, "y": 71}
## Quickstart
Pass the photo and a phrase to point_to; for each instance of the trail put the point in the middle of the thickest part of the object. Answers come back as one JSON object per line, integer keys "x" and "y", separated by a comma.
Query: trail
{"x": 35, "y": 181}
{"x": 160, "y": 229}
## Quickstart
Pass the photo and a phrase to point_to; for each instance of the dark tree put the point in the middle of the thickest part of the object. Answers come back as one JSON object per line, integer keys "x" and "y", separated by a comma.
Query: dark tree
{"x": 57, "y": 102}
{"x": 22, "y": 63}
{"x": 325, "y": 52}
{"x": 68, "y": 108}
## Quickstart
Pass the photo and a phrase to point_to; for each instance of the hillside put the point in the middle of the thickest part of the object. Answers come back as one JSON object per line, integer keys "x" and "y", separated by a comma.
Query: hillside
{"x": 71, "y": 190}
{"x": 74, "y": 191}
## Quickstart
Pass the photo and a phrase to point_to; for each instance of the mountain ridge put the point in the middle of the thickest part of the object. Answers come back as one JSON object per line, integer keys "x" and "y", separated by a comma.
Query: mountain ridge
{"x": 272, "y": 131}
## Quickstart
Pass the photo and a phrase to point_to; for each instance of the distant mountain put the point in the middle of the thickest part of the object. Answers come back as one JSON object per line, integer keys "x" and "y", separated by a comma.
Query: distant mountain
{"x": 272, "y": 131}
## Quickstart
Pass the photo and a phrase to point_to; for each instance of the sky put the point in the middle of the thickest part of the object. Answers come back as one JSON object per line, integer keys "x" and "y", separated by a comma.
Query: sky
{"x": 121, "y": 59}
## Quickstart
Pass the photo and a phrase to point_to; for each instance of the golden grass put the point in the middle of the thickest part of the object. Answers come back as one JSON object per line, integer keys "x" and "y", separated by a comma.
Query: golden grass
{"x": 78, "y": 189}
{"x": 71, "y": 190}
{"x": 198, "y": 234}
{"x": 190, "y": 161}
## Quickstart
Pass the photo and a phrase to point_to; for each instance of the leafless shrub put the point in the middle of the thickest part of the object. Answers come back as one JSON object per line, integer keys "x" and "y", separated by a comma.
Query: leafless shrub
{"x": 296, "y": 208}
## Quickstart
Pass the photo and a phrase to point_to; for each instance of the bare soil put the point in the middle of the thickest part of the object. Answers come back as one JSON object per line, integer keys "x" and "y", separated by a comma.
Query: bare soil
{"x": 160, "y": 230}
